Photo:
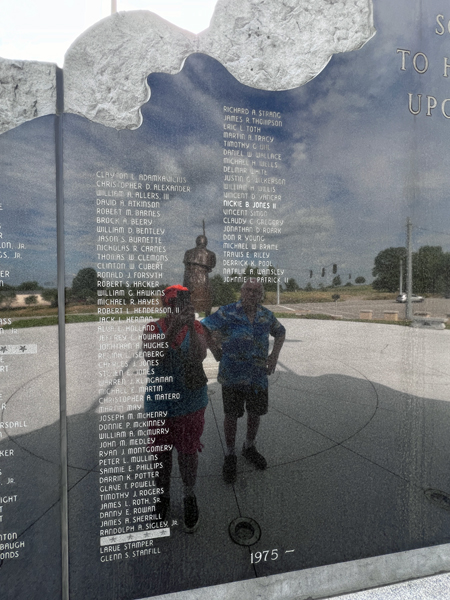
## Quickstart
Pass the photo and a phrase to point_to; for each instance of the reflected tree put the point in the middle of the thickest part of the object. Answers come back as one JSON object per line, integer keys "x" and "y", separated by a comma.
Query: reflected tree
{"x": 84, "y": 285}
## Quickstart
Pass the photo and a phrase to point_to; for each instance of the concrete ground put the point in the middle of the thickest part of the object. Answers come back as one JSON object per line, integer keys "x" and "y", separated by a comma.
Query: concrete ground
{"x": 350, "y": 309}
{"x": 430, "y": 588}
{"x": 356, "y": 437}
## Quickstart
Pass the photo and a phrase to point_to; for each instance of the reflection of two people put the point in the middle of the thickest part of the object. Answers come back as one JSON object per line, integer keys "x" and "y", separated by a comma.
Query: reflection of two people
{"x": 243, "y": 329}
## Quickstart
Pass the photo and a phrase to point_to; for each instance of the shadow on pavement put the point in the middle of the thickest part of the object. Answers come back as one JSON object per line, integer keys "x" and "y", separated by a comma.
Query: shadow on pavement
{"x": 349, "y": 462}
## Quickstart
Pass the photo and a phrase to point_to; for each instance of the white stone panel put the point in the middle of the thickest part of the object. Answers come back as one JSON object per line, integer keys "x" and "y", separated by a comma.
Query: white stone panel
{"x": 106, "y": 69}
{"x": 27, "y": 91}
{"x": 274, "y": 45}
{"x": 282, "y": 44}
{"x": 266, "y": 44}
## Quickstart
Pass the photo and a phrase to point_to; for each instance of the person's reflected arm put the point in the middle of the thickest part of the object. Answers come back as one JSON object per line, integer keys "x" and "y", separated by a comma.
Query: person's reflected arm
{"x": 154, "y": 340}
{"x": 150, "y": 339}
{"x": 198, "y": 343}
{"x": 272, "y": 359}
{"x": 213, "y": 343}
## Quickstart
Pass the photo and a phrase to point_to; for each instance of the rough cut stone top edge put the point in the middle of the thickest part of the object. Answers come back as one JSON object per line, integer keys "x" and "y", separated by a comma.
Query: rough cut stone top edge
{"x": 28, "y": 91}
{"x": 276, "y": 45}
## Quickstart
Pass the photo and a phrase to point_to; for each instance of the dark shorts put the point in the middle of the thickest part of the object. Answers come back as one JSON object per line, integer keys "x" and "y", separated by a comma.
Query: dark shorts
{"x": 184, "y": 432}
{"x": 236, "y": 397}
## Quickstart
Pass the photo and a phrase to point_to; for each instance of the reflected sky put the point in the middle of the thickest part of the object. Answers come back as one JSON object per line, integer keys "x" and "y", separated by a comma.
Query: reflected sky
{"x": 28, "y": 198}
{"x": 357, "y": 163}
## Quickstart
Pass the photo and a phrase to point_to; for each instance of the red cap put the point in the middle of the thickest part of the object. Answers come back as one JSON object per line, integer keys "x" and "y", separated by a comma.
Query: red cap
{"x": 171, "y": 292}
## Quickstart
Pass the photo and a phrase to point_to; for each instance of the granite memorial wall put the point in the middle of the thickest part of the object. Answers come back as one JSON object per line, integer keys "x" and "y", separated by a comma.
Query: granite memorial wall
{"x": 30, "y": 405}
{"x": 297, "y": 141}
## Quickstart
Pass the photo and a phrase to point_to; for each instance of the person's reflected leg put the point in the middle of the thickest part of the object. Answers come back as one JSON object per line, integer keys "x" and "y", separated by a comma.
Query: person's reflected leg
{"x": 253, "y": 421}
{"x": 164, "y": 473}
{"x": 230, "y": 427}
{"x": 249, "y": 451}
{"x": 229, "y": 465}
{"x": 188, "y": 464}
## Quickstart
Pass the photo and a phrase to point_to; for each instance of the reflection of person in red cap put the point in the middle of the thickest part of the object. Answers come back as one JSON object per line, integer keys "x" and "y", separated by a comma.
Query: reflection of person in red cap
{"x": 174, "y": 348}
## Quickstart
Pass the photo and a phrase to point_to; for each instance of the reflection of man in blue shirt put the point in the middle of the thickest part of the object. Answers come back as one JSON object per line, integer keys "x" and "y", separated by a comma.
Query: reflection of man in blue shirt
{"x": 245, "y": 362}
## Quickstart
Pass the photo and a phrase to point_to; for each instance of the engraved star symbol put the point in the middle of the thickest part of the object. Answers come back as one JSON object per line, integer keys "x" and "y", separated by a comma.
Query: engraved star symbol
{"x": 130, "y": 537}
{"x": 3, "y": 349}
{"x": 23, "y": 348}
{"x": 113, "y": 539}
